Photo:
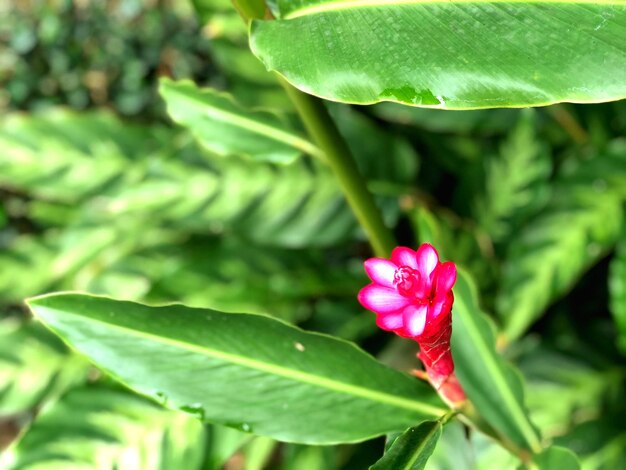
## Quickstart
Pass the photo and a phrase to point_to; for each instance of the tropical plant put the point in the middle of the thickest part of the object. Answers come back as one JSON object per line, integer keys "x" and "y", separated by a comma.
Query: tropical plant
{"x": 216, "y": 261}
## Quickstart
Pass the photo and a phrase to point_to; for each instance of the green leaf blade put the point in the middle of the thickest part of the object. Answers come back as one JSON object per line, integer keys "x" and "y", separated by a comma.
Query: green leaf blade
{"x": 453, "y": 55}
{"x": 411, "y": 450}
{"x": 492, "y": 385}
{"x": 246, "y": 371}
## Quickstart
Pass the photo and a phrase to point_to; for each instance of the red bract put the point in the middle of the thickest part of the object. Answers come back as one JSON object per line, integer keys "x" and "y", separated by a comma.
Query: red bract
{"x": 412, "y": 296}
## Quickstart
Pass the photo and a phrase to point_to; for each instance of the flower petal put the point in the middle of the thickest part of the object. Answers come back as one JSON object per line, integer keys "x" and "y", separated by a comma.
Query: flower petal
{"x": 441, "y": 304}
{"x": 427, "y": 260}
{"x": 381, "y": 271}
{"x": 446, "y": 277}
{"x": 381, "y": 299}
{"x": 403, "y": 256}
{"x": 390, "y": 321}
{"x": 415, "y": 319}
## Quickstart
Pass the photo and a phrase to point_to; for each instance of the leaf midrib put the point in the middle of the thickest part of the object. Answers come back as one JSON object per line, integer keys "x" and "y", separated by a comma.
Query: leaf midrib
{"x": 332, "y": 6}
{"x": 421, "y": 446}
{"x": 298, "y": 376}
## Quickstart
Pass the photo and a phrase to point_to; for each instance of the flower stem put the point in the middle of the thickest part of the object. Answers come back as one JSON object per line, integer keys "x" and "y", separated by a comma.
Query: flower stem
{"x": 322, "y": 129}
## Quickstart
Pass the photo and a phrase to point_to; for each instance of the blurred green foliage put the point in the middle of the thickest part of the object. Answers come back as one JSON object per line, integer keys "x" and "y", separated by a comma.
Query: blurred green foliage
{"x": 91, "y": 53}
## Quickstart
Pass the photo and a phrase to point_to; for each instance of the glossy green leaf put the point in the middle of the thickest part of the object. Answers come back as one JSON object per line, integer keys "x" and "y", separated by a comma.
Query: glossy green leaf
{"x": 456, "y": 54}
{"x": 579, "y": 224}
{"x": 492, "y": 385}
{"x": 557, "y": 458}
{"x": 246, "y": 371}
{"x": 411, "y": 450}
{"x": 100, "y": 428}
{"x": 34, "y": 367}
{"x": 617, "y": 291}
{"x": 227, "y": 128}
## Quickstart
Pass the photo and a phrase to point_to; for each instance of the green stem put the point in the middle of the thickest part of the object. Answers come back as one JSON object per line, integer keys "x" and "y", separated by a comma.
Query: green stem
{"x": 447, "y": 417}
{"x": 322, "y": 129}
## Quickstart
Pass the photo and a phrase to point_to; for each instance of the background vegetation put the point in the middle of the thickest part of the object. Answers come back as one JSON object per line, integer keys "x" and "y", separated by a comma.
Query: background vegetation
{"x": 101, "y": 190}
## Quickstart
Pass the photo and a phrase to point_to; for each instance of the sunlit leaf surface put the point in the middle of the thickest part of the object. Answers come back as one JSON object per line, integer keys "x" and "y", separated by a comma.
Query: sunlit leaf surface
{"x": 456, "y": 54}
{"x": 246, "y": 371}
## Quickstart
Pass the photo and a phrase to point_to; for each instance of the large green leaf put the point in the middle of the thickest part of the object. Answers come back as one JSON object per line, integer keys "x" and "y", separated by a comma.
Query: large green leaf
{"x": 245, "y": 371}
{"x": 580, "y": 223}
{"x": 492, "y": 385}
{"x": 411, "y": 450}
{"x": 104, "y": 428}
{"x": 34, "y": 367}
{"x": 226, "y": 128}
{"x": 455, "y": 54}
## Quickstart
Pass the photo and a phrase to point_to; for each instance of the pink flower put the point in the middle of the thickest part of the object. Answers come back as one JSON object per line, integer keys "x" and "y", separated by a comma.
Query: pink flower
{"x": 411, "y": 295}
{"x": 410, "y": 292}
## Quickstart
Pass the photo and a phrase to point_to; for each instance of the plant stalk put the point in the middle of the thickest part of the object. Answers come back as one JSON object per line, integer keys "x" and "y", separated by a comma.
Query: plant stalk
{"x": 322, "y": 129}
